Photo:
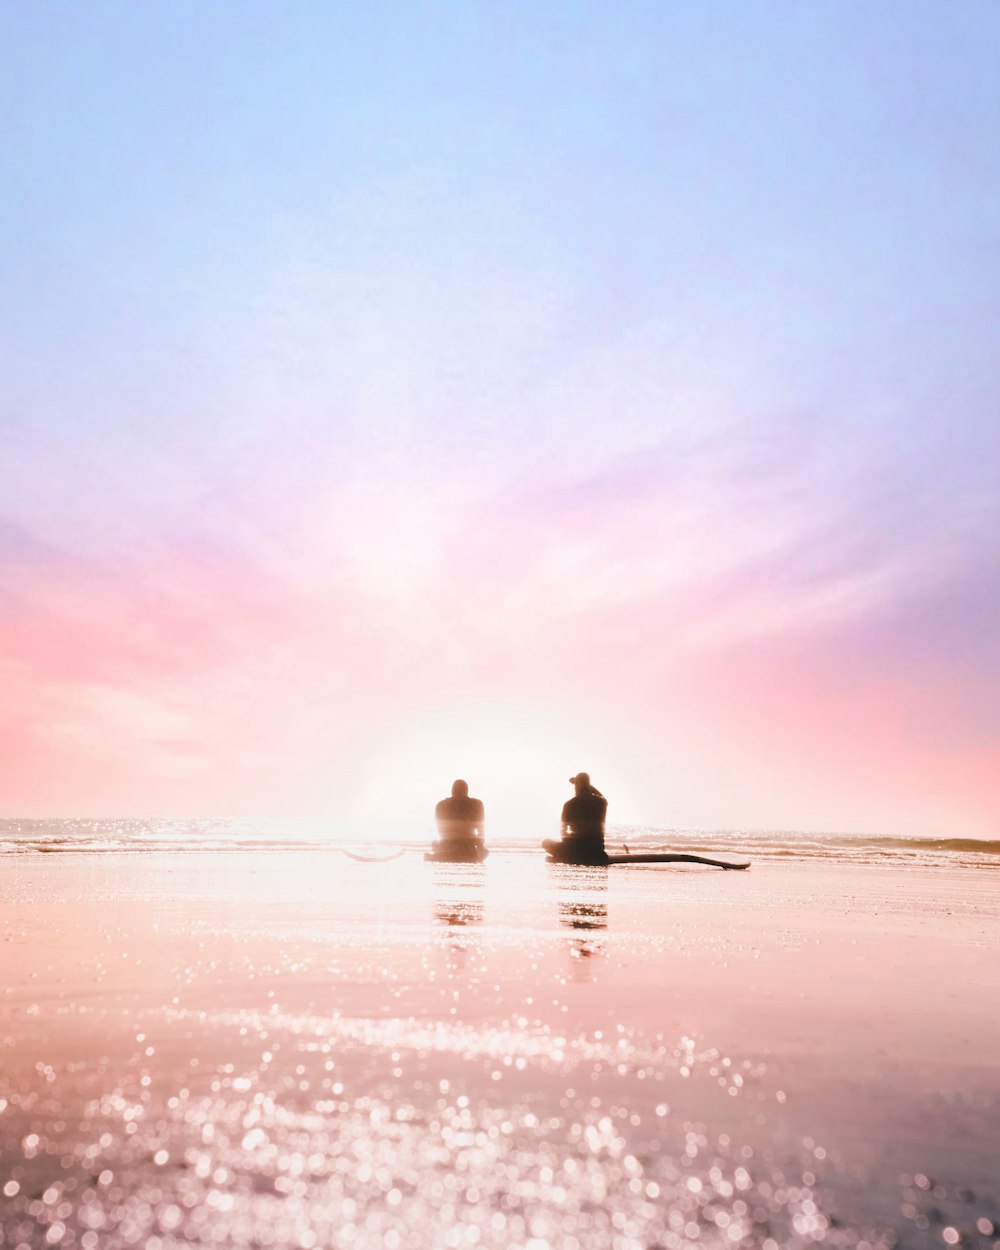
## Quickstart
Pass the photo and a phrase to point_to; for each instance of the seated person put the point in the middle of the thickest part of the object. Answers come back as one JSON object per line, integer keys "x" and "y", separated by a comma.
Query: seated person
{"x": 582, "y": 825}
{"x": 461, "y": 822}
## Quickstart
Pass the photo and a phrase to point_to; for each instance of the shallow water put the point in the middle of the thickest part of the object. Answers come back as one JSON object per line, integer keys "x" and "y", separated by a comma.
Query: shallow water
{"x": 292, "y": 1049}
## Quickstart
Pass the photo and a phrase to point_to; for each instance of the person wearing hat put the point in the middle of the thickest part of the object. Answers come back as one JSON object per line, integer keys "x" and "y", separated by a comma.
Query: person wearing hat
{"x": 461, "y": 825}
{"x": 582, "y": 825}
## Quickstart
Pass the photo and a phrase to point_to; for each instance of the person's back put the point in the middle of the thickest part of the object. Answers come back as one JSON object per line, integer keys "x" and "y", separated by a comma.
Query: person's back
{"x": 582, "y": 825}
{"x": 460, "y": 818}
{"x": 583, "y": 817}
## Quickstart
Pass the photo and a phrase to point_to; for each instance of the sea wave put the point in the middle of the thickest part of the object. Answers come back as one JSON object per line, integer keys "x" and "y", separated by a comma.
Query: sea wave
{"x": 51, "y": 837}
{"x": 964, "y": 846}
{"x": 853, "y": 848}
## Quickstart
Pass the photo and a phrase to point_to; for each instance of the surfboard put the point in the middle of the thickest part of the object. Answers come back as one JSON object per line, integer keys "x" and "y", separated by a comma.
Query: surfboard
{"x": 653, "y": 857}
{"x": 673, "y": 859}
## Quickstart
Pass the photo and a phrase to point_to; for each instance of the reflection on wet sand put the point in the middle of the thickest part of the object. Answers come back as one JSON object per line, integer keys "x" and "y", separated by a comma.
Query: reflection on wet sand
{"x": 583, "y": 908}
{"x": 458, "y": 912}
{"x": 458, "y": 904}
{"x": 258, "y": 1051}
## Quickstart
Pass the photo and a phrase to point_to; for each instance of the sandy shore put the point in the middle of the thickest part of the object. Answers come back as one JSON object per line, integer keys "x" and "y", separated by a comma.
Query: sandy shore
{"x": 285, "y": 1050}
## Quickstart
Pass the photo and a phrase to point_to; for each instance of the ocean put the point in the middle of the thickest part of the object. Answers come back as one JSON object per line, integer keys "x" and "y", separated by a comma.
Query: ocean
{"x": 133, "y": 835}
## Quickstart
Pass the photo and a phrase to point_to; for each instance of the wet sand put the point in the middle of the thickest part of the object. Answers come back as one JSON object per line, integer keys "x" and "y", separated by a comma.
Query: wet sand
{"x": 282, "y": 1050}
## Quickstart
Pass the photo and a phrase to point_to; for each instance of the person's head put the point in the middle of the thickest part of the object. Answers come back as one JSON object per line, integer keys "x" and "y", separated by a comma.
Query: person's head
{"x": 459, "y": 789}
{"x": 582, "y": 783}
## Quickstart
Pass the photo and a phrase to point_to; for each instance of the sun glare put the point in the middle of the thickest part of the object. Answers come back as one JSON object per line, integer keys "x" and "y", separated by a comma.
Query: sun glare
{"x": 517, "y": 756}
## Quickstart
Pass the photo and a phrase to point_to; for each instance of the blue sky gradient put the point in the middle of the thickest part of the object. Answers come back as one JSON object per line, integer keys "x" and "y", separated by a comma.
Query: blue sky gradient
{"x": 671, "y": 330}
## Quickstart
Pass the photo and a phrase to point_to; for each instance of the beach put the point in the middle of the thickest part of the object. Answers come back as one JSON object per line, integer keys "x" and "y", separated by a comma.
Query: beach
{"x": 507, "y": 427}
{"x": 289, "y": 1048}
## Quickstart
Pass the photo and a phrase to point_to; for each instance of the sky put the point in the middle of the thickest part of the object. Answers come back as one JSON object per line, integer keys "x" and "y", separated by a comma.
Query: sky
{"x": 399, "y": 392}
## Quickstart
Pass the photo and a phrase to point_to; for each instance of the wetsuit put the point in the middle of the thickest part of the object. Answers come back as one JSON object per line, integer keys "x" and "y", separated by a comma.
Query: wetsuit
{"x": 460, "y": 821}
{"x": 583, "y": 830}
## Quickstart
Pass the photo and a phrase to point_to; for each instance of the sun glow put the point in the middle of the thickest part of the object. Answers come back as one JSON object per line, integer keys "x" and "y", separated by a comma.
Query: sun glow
{"x": 517, "y": 756}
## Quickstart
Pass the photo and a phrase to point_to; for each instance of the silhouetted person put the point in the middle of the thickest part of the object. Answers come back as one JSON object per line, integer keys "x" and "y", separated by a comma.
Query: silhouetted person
{"x": 461, "y": 823}
{"x": 582, "y": 825}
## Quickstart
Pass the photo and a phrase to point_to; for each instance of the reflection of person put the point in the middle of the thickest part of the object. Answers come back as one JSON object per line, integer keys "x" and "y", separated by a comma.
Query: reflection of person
{"x": 582, "y": 826}
{"x": 461, "y": 820}
{"x": 584, "y": 915}
{"x": 588, "y": 921}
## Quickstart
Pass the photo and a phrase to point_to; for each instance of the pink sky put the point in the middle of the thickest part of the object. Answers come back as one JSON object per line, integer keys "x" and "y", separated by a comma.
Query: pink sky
{"x": 626, "y": 406}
